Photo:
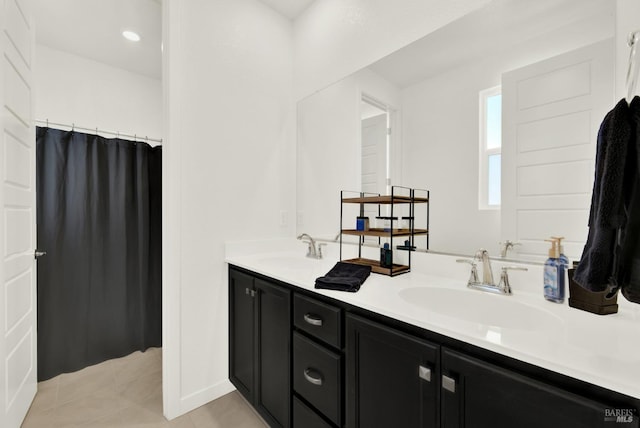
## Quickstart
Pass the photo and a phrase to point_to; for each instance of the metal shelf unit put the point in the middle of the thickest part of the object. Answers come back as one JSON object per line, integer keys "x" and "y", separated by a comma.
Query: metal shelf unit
{"x": 400, "y": 196}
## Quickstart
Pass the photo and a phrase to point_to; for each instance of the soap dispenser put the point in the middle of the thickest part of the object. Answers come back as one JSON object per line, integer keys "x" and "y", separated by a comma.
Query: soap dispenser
{"x": 564, "y": 259}
{"x": 554, "y": 270}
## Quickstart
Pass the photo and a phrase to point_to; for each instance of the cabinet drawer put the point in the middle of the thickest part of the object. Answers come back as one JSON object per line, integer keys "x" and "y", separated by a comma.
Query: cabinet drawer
{"x": 304, "y": 417}
{"x": 318, "y": 319}
{"x": 317, "y": 376}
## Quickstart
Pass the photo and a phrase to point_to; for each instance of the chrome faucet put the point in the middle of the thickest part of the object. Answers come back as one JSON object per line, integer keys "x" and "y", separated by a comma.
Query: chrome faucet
{"x": 487, "y": 283}
{"x": 312, "y": 251}
{"x": 506, "y": 246}
{"x": 487, "y": 274}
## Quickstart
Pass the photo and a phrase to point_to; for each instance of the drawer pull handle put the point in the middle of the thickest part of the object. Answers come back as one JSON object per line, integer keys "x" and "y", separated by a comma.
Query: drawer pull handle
{"x": 313, "y": 320}
{"x": 316, "y": 380}
{"x": 424, "y": 373}
{"x": 449, "y": 383}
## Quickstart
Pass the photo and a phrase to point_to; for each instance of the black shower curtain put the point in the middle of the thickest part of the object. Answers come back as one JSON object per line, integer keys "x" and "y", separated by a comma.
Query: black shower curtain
{"x": 99, "y": 220}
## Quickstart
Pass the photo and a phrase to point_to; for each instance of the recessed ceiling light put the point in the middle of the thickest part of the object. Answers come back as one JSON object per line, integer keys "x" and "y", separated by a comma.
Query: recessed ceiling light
{"x": 131, "y": 35}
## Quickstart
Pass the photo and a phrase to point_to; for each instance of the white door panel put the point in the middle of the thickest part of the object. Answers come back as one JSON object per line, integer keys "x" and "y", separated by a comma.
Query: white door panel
{"x": 551, "y": 115}
{"x": 374, "y": 140}
{"x": 18, "y": 368}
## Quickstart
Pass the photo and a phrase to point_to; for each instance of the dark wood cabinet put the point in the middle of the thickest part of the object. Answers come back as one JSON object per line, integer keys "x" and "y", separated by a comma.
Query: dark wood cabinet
{"x": 260, "y": 345}
{"x": 317, "y": 376}
{"x": 391, "y": 377}
{"x": 346, "y": 367}
{"x": 476, "y": 394}
{"x": 317, "y": 362}
{"x": 304, "y": 417}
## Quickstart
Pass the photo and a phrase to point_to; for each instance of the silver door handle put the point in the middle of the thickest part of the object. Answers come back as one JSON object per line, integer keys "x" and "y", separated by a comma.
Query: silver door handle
{"x": 37, "y": 254}
{"x": 312, "y": 379}
{"x": 424, "y": 373}
{"x": 449, "y": 383}
{"x": 313, "y": 320}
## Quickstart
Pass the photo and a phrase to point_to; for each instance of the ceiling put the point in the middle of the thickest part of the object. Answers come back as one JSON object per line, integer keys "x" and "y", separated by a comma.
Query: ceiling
{"x": 93, "y": 29}
{"x": 481, "y": 34}
{"x": 289, "y": 8}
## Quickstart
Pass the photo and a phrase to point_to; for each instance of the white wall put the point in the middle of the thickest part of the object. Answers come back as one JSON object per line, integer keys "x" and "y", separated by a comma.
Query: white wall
{"x": 334, "y": 38}
{"x": 70, "y": 89}
{"x": 440, "y": 130}
{"x": 229, "y": 173}
{"x": 328, "y": 156}
{"x": 627, "y": 20}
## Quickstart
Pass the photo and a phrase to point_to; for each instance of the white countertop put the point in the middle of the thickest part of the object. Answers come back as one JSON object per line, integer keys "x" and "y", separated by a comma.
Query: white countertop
{"x": 603, "y": 350}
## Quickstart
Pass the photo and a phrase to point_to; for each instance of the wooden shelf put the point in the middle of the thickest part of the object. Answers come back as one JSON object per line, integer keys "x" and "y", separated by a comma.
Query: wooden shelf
{"x": 385, "y": 200}
{"x": 375, "y": 266}
{"x": 379, "y": 232}
{"x": 398, "y": 225}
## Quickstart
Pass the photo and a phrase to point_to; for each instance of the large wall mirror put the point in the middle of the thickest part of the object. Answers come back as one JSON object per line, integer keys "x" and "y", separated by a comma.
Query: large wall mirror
{"x": 505, "y": 101}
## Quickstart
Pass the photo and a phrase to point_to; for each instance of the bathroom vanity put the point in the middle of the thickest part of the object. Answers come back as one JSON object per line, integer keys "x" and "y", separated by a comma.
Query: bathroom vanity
{"x": 421, "y": 350}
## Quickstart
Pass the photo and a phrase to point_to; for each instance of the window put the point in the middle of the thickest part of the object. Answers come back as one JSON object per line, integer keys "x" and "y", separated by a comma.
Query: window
{"x": 490, "y": 148}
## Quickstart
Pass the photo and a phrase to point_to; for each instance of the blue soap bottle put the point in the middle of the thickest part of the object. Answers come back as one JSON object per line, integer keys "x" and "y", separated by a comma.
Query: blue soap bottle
{"x": 554, "y": 272}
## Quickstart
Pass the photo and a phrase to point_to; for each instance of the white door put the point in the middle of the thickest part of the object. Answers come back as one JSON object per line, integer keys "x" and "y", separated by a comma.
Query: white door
{"x": 552, "y": 111}
{"x": 18, "y": 368}
{"x": 374, "y": 154}
{"x": 374, "y": 163}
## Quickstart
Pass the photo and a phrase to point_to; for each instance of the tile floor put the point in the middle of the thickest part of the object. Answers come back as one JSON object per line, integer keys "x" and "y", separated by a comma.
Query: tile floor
{"x": 126, "y": 392}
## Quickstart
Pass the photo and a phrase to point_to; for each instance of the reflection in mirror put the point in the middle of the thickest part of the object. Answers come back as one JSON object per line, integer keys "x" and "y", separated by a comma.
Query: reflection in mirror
{"x": 552, "y": 59}
{"x": 374, "y": 140}
{"x": 374, "y": 117}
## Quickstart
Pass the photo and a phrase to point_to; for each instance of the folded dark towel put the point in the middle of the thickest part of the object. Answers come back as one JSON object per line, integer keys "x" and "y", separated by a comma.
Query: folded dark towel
{"x": 344, "y": 277}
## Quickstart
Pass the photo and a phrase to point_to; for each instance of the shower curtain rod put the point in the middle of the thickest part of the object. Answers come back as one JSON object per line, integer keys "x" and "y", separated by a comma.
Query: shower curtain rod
{"x": 97, "y": 130}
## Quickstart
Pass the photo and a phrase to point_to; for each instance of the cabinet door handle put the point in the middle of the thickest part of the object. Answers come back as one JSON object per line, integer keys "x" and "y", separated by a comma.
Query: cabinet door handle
{"x": 424, "y": 373}
{"x": 316, "y": 380}
{"x": 449, "y": 383}
{"x": 37, "y": 254}
{"x": 313, "y": 319}
{"x": 249, "y": 292}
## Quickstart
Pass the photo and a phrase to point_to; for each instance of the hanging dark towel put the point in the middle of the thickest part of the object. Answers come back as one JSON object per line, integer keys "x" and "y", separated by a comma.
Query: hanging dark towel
{"x": 629, "y": 267}
{"x": 599, "y": 266}
{"x": 344, "y": 277}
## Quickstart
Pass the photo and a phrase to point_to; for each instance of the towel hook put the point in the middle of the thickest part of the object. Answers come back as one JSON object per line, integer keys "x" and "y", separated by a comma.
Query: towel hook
{"x": 632, "y": 38}
{"x": 632, "y": 71}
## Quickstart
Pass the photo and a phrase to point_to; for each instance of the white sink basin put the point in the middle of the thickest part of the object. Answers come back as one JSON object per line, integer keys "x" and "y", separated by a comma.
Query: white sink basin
{"x": 480, "y": 307}
{"x": 294, "y": 263}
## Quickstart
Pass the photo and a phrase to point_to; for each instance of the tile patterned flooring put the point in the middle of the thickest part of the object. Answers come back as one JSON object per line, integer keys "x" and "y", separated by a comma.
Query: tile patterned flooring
{"x": 126, "y": 392}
